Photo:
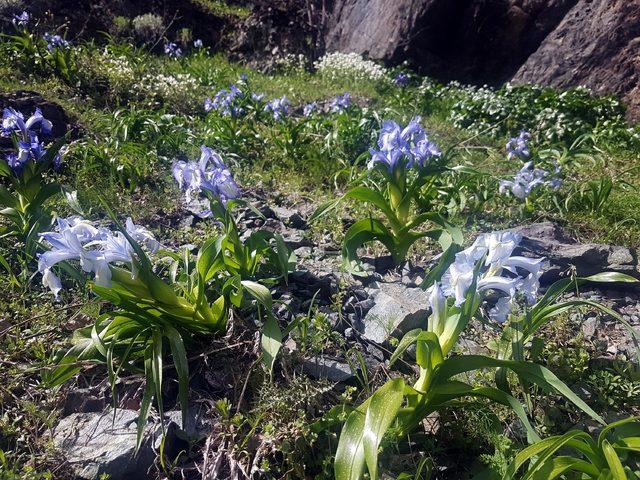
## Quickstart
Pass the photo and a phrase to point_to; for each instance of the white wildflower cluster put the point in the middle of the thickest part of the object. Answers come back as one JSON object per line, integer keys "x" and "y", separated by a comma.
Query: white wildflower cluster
{"x": 352, "y": 66}
{"x": 291, "y": 62}
{"x": 117, "y": 68}
{"x": 180, "y": 89}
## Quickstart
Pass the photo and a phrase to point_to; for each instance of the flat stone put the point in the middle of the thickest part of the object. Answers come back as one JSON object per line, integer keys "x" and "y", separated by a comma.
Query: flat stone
{"x": 549, "y": 240}
{"x": 397, "y": 310}
{"x": 94, "y": 444}
{"x": 322, "y": 367}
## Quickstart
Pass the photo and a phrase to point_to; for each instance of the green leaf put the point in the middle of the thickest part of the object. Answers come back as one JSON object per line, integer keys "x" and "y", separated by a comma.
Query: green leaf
{"x": 156, "y": 368}
{"x": 365, "y": 194}
{"x": 531, "y": 372}
{"x": 181, "y": 363}
{"x": 408, "y": 339}
{"x": 259, "y": 292}
{"x": 361, "y": 232}
{"x": 350, "y": 459}
{"x": 617, "y": 469}
{"x": 271, "y": 341}
{"x": 382, "y": 411}
{"x": 147, "y": 397}
{"x": 323, "y": 209}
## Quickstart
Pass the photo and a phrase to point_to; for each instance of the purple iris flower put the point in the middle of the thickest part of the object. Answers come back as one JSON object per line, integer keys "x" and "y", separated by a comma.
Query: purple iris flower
{"x": 519, "y": 146}
{"x": 528, "y": 178}
{"x": 401, "y": 79}
{"x": 172, "y": 50}
{"x": 197, "y": 43}
{"x": 279, "y": 107}
{"x": 21, "y": 20}
{"x": 406, "y": 147}
{"x": 55, "y": 41}
{"x": 208, "y": 174}
{"x": 226, "y": 102}
{"x": 310, "y": 108}
{"x": 340, "y": 103}
{"x": 29, "y": 146}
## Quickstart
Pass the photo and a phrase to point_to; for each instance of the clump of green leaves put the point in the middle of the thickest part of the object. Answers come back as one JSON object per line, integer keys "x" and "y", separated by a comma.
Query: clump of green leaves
{"x": 405, "y": 166}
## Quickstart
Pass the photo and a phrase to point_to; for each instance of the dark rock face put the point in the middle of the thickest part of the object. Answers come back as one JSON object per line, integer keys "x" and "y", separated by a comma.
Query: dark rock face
{"x": 477, "y": 41}
{"x": 596, "y": 45}
{"x": 559, "y": 43}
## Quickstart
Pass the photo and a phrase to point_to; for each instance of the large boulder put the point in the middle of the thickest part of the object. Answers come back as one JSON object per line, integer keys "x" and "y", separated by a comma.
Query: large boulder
{"x": 477, "y": 41}
{"x": 560, "y": 43}
{"x": 596, "y": 44}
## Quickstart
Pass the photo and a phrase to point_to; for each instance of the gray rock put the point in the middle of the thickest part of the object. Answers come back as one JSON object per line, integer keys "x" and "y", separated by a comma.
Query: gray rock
{"x": 94, "y": 444}
{"x": 549, "y": 240}
{"x": 322, "y": 367}
{"x": 290, "y": 218}
{"x": 589, "y": 327}
{"x": 397, "y": 309}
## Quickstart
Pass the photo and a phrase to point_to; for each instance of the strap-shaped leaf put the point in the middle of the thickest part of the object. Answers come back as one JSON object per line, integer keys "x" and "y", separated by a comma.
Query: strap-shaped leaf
{"x": 529, "y": 371}
{"x": 382, "y": 411}
{"x": 374, "y": 197}
{"x": 350, "y": 460}
{"x": 271, "y": 341}
{"x": 615, "y": 465}
{"x": 181, "y": 363}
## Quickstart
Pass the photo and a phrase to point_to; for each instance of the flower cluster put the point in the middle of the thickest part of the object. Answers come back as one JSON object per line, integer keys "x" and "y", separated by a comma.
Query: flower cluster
{"x": 55, "y": 41}
{"x": 528, "y": 178}
{"x": 519, "y": 146}
{"x": 197, "y": 43}
{"x": 172, "y": 50}
{"x": 401, "y": 79}
{"x": 403, "y": 147}
{"x": 29, "y": 146}
{"x": 209, "y": 174}
{"x": 552, "y": 115}
{"x": 155, "y": 88}
{"x": 21, "y": 20}
{"x": 96, "y": 248}
{"x": 340, "y": 103}
{"x": 310, "y": 108}
{"x": 226, "y": 102}
{"x": 279, "y": 107}
{"x": 499, "y": 271}
{"x": 352, "y": 66}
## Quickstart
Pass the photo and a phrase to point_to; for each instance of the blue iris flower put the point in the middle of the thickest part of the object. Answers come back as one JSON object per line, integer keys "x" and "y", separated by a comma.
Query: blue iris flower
{"x": 172, "y": 50}
{"x": 29, "y": 146}
{"x": 406, "y": 147}
{"x": 279, "y": 107}
{"x": 197, "y": 43}
{"x": 208, "y": 174}
{"x": 55, "y": 41}
{"x": 401, "y": 79}
{"x": 519, "y": 146}
{"x": 310, "y": 108}
{"x": 226, "y": 102}
{"x": 21, "y": 20}
{"x": 340, "y": 103}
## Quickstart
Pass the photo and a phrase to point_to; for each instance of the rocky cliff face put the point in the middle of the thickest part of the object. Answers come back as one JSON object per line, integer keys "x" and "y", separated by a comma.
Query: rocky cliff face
{"x": 554, "y": 42}
{"x": 596, "y": 44}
